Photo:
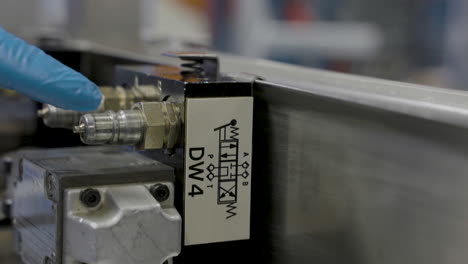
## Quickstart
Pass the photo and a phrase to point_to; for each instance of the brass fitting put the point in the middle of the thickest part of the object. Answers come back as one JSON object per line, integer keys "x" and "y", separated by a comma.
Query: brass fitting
{"x": 114, "y": 99}
{"x": 163, "y": 123}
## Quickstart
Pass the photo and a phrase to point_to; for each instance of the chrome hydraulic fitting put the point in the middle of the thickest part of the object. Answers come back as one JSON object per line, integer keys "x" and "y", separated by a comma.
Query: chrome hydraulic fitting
{"x": 149, "y": 125}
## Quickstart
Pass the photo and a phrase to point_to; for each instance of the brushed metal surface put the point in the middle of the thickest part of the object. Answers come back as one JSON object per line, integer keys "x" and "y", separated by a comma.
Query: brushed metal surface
{"x": 347, "y": 183}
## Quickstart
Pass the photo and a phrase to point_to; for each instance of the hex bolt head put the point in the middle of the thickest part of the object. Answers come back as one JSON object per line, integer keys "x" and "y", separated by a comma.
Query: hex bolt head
{"x": 160, "y": 192}
{"x": 90, "y": 197}
{"x": 51, "y": 187}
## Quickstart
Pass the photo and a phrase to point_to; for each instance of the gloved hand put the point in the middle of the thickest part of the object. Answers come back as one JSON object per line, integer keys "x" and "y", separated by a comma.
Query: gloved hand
{"x": 29, "y": 71}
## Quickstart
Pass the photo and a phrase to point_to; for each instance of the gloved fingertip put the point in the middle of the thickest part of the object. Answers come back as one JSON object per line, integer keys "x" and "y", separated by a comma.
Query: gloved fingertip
{"x": 89, "y": 100}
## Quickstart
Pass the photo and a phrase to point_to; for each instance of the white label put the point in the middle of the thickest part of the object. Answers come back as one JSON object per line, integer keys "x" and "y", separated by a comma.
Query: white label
{"x": 218, "y": 169}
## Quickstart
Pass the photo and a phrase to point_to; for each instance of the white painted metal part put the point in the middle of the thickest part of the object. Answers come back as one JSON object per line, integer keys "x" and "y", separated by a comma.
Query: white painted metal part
{"x": 218, "y": 165}
{"x": 128, "y": 226}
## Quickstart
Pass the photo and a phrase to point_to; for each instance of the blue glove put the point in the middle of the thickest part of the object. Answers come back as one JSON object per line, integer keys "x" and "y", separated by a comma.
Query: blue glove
{"x": 29, "y": 71}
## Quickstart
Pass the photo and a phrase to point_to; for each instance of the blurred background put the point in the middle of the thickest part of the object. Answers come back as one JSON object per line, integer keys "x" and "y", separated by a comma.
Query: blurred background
{"x": 420, "y": 41}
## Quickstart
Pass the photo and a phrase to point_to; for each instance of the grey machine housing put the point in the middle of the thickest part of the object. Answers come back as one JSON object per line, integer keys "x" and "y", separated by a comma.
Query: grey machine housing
{"x": 122, "y": 223}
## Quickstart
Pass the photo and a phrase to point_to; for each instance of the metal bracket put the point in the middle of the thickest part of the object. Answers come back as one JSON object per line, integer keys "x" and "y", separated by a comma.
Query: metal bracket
{"x": 203, "y": 65}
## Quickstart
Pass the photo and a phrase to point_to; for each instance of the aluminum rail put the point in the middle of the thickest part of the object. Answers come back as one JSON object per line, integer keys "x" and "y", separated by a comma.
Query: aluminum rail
{"x": 438, "y": 104}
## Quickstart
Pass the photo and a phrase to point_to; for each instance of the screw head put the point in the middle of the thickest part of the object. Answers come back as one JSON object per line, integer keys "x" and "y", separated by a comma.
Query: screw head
{"x": 90, "y": 197}
{"x": 160, "y": 192}
{"x": 51, "y": 187}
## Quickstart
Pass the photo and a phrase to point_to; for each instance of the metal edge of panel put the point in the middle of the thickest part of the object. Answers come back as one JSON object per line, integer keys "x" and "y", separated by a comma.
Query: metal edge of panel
{"x": 439, "y": 108}
{"x": 437, "y": 104}
{"x": 431, "y": 103}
